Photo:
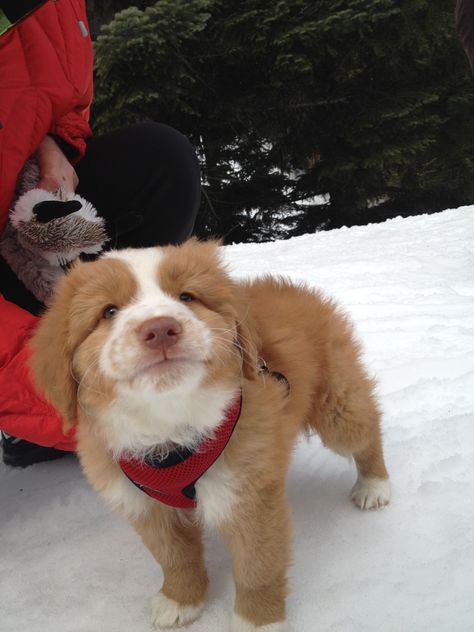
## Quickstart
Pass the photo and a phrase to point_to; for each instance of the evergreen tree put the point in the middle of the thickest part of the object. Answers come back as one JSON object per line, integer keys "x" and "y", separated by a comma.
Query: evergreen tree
{"x": 101, "y": 12}
{"x": 361, "y": 108}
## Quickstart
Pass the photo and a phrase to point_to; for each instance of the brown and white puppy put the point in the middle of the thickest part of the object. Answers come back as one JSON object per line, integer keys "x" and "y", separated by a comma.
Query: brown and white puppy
{"x": 94, "y": 361}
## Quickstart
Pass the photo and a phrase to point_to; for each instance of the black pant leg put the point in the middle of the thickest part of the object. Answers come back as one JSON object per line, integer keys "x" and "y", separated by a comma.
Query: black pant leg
{"x": 145, "y": 181}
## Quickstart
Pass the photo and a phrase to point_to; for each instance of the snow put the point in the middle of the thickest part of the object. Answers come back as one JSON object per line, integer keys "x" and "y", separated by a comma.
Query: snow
{"x": 69, "y": 565}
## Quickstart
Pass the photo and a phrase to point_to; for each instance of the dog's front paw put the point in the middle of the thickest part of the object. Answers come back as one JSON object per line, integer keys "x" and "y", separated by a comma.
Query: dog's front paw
{"x": 242, "y": 625}
{"x": 168, "y": 613}
{"x": 371, "y": 493}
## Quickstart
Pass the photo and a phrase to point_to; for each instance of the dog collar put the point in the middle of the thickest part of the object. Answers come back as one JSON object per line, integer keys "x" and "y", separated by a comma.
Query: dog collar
{"x": 172, "y": 480}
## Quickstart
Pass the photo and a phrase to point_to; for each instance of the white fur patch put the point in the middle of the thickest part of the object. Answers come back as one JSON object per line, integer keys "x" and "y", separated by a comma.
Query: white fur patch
{"x": 143, "y": 263}
{"x": 371, "y": 493}
{"x": 138, "y": 421}
{"x": 241, "y": 625}
{"x": 217, "y": 491}
{"x": 167, "y": 613}
{"x": 122, "y": 495}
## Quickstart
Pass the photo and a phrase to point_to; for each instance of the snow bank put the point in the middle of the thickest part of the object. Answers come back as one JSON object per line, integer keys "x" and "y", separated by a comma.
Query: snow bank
{"x": 67, "y": 565}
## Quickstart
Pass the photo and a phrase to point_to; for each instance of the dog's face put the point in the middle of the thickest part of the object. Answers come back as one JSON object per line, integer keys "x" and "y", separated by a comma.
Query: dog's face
{"x": 141, "y": 322}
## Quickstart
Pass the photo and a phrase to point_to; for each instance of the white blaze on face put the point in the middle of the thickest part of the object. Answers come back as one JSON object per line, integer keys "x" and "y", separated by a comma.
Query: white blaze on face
{"x": 125, "y": 358}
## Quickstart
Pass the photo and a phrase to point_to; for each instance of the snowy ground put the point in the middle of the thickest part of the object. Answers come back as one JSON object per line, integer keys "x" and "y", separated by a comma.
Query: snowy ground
{"x": 67, "y": 565}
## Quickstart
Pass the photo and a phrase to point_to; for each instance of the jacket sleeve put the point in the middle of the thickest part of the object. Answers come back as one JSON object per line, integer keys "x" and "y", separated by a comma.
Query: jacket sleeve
{"x": 72, "y": 129}
{"x": 23, "y": 412}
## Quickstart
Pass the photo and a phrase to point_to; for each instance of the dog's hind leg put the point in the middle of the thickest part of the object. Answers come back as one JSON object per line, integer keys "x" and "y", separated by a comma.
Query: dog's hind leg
{"x": 372, "y": 488}
{"x": 349, "y": 424}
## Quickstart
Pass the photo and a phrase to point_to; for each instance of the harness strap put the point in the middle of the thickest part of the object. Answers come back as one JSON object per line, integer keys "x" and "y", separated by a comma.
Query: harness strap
{"x": 172, "y": 480}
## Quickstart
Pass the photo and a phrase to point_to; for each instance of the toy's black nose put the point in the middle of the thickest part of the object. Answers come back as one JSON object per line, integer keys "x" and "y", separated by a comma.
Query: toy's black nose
{"x": 54, "y": 209}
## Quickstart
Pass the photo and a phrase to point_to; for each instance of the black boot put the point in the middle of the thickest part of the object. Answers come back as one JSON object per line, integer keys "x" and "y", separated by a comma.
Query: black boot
{"x": 21, "y": 453}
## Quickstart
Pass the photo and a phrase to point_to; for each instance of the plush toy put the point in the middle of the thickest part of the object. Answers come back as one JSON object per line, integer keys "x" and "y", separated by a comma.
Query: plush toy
{"x": 47, "y": 231}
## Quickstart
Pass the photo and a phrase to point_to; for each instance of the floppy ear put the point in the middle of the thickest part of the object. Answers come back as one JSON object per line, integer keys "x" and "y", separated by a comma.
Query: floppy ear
{"x": 52, "y": 352}
{"x": 249, "y": 342}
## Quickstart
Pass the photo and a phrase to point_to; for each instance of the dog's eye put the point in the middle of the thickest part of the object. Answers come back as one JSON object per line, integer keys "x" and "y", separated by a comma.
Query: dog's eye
{"x": 186, "y": 297}
{"x": 109, "y": 311}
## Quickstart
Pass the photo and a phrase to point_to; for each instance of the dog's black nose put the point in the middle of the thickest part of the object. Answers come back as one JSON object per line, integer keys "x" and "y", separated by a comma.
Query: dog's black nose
{"x": 160, "y": 333}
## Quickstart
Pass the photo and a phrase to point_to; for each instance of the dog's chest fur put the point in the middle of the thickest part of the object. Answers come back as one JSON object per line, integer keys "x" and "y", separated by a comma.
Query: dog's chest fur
{"x": 216, "y": 490}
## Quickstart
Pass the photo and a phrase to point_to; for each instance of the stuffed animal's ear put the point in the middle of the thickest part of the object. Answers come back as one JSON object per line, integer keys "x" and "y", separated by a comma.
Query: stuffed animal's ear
{"x": 52, "y": 352}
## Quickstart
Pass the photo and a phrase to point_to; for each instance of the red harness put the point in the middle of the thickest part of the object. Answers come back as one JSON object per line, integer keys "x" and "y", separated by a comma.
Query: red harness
{"x": 172, "y": 480}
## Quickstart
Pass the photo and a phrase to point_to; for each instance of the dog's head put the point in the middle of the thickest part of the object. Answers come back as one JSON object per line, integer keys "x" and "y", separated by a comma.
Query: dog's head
{"x": 154, "y": 320}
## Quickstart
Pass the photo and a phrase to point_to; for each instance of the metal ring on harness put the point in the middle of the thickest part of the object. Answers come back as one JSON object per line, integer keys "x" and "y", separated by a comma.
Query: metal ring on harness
{"x": 275, "y": 374}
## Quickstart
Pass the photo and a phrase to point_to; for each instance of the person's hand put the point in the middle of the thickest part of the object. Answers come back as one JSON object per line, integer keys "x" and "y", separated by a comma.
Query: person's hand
{"x": 55, "y": 169}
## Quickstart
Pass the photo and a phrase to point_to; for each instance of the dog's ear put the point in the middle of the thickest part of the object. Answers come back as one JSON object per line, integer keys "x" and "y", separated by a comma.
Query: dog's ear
{"x": 52, "y": 352}
{"x": 248, "y": 341}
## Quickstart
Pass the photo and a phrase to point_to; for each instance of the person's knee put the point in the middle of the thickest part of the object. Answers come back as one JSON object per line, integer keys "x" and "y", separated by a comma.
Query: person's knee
{"x": 159, "y": 139}
{"x": 167, "y": 150}
{"x": 171, "y": 196}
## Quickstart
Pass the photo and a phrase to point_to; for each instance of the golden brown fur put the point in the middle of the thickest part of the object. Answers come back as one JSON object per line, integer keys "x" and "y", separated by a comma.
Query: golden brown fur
{"x": 298, "y": 333}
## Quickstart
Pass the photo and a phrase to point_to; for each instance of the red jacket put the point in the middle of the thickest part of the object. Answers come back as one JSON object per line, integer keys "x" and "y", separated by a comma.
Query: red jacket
{"x": 46, "y": 87}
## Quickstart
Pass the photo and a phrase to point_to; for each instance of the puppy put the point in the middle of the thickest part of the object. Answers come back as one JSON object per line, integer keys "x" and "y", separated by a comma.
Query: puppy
{"x": 189, "y": 390}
